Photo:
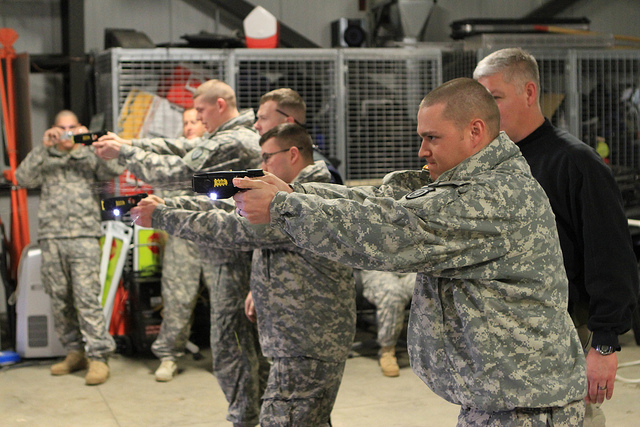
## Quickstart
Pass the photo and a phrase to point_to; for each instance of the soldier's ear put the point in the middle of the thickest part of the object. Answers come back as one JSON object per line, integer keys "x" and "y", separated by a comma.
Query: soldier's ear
{"x": 221, "y": 103}
{"x": 477, "y": 129}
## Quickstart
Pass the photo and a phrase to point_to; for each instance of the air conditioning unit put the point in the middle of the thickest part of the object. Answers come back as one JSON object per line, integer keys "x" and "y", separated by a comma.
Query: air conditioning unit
{"x": 35, "y": 334}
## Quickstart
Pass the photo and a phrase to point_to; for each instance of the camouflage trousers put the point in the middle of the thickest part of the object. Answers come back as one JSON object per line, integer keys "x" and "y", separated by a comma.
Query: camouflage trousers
{"x": 301, "y": 392}
{"x": 390, "y": 293}
{"x": 70, "y": 275}
{"x": 570, "y": 415}
{"x": 182, "y": 270}
{"x": 238, "y": 364}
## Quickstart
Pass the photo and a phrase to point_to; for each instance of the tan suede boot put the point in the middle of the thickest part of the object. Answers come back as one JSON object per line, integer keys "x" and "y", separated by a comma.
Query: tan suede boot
{"x": 98, "y": 373}
{"x": 74, "y": 361}
{"x": 388, "y": 362}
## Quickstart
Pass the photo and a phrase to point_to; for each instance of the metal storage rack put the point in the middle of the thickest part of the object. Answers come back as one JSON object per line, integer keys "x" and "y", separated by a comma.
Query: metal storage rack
{"x": 382, "y": 91}
{"x": 608, "y": 84}
{"x": 313, "y": 73}
{"x": 362, "y": 103}
{"x": 169, "y": 73}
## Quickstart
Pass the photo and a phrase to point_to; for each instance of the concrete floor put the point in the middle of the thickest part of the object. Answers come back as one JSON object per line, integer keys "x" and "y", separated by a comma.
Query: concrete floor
{"x": 30, "y": 396}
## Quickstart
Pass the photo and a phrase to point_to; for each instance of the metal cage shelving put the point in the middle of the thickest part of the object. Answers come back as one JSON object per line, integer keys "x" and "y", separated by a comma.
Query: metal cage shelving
{"x": 382, "y": 91}
{"x": 168, "y": 73}
{"x": 608, "y": 84}
{"x": 362, "y": 103}
{"x": 311, "y": 72}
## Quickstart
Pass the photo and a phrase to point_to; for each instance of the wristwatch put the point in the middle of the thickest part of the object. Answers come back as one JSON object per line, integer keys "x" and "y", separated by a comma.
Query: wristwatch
{"x": 605, "y": 350}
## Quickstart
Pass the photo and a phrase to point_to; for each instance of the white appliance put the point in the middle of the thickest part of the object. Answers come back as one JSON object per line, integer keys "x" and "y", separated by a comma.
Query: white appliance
{"x": 35, "y": 335}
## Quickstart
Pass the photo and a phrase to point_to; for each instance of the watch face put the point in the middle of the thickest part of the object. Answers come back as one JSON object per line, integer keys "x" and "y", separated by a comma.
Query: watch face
{"x": 605, "y": 349}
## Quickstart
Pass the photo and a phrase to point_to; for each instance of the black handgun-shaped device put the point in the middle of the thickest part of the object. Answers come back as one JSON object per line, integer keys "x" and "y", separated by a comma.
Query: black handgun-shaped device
{"x": 88, "y": 138}
{"x": 120, "y": 205}
{"x": 219, "y": 185}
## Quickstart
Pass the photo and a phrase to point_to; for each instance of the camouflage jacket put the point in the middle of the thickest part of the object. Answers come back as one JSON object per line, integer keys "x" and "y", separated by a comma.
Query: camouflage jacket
{"x": 168, "y": 146}
{"x": 489, "y": 327}
{"x": 170, "y": 164}
{"x": 70, "y": 189}
{"x": 305, "y": 303}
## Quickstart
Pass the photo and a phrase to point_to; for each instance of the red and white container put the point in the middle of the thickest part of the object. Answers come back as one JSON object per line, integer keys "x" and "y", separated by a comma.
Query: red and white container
{"x": 261, "y": 29}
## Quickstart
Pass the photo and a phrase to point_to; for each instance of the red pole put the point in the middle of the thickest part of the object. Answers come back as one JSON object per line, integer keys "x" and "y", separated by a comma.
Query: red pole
{"x": 19, "y": 214}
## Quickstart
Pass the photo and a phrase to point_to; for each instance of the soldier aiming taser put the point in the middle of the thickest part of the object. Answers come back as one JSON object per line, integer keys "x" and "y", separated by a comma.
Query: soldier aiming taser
{"x": 120, "y": 205}
{"x": 219, "y": 185}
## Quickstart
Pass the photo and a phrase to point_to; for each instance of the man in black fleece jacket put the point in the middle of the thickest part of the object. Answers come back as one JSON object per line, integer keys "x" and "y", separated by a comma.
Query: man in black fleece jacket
{"x": 594, "y": 235}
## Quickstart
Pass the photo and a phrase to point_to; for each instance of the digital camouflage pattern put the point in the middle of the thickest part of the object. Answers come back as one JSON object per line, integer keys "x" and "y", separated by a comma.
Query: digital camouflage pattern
{"x": 184, "y": 266}
{"x": 70, "y": 186}
{"x": 233, "y": 146}
{"x": 488, "y": 327}
{"x": 301, "y": 392}
{"x": 68, "y": 231}
{"x": 288, "y": 284}
{"x": 305, "y": 305}
{"x": 238, "y": 363}
{"x": 390, "y": 292}
{"x": 169, "y": 164}
{"x": 70, "y": 272}
{"x": 570, "y": 415}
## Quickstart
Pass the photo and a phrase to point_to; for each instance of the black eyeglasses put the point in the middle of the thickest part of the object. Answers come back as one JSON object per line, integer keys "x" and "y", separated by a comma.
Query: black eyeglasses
{"x": 287, "y": 115}
{"x": 267, "y": 156}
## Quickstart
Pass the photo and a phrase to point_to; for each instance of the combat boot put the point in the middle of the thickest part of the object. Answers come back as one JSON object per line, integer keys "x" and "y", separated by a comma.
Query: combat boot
{"x": 388, "y": 362}
{"x": 74, "y": 361}
{"x": 166, "y": 371}
{"x": 98, "y": 373}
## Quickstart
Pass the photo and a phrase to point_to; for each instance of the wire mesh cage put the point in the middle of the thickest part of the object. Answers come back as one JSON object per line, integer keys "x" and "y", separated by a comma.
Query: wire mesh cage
{"x": 458, "y": 62}
{"x": 608, "y": 84}
{"x": 383, "y": 88}
{"x": 362, "y": 103}
{"x": 310, "y": 72}
{"x": 144, "y": 91}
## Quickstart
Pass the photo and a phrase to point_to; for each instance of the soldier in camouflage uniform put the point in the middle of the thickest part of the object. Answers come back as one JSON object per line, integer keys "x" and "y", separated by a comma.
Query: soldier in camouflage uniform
{"x": 390, "y": 292}
{"x": 231, "y": 144}
{"x": 488, "y": 328}
{"x": 305, "y": 304}
{"x": 185, "y": 265}
{"x": 285, "y": 105}
{"x": 68, "y": 235}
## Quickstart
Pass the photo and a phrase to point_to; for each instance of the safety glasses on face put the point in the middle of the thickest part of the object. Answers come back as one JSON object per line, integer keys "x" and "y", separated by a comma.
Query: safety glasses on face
{"x": 287, "y": 116}
{"x": 267, "y": 156}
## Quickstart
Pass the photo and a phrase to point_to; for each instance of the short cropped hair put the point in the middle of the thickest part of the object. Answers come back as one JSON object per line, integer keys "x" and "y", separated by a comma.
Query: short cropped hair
{"x": 289, "y": 101}
{"x": 213, "y": 89}
{"x": 515, "y": 64}
{"x": 290, "y": 135}
{"x": 465, "y": 99}
{"x": 65, "y": 113}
